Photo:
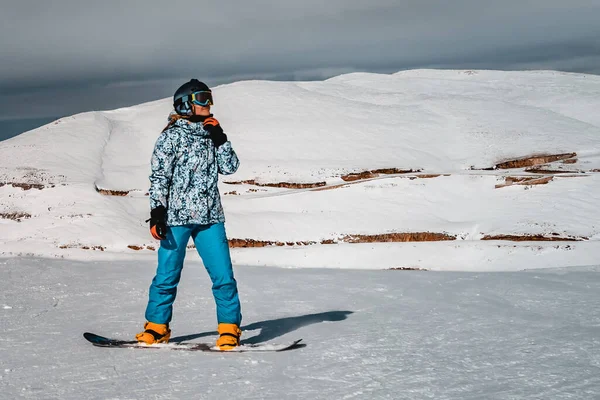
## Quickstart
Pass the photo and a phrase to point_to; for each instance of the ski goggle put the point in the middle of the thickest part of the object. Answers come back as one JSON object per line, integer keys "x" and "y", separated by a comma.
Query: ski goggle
{"x": 202, "y": 98}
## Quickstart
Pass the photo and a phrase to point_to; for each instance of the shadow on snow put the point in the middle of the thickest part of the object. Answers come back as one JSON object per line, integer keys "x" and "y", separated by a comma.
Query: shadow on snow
{"x": 274, "y": 328}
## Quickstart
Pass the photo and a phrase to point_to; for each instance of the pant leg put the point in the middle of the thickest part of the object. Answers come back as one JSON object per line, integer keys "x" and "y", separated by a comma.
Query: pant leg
{"x": 163, "y": 289}
{"x": 212, "y": 246}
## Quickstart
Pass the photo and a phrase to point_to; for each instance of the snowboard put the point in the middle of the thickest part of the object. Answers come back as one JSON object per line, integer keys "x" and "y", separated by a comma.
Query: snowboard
{"x": 101, "y": 341}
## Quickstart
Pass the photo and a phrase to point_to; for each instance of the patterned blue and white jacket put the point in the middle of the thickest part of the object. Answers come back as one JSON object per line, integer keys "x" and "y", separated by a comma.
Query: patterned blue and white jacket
{"x": 185, "y": 166}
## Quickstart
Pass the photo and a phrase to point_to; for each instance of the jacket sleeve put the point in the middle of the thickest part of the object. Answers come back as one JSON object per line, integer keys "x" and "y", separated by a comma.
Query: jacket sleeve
{"x": 162, "y": 165}
{"x": 227, "y": 160}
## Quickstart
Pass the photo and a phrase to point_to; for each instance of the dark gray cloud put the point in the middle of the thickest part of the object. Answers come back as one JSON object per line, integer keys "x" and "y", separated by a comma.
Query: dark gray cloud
{"x": 76, "y": 56}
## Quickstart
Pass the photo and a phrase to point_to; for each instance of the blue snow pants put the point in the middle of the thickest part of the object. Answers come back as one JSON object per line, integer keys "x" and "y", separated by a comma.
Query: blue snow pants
{"x": 211, "y": 244}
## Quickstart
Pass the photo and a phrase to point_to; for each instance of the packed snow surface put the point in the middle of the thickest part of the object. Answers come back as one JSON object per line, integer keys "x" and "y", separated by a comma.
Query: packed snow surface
{"x": 368, "y": 334}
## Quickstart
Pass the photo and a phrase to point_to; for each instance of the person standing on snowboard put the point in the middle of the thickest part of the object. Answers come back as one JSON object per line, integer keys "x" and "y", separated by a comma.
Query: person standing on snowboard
{"x": 185, "y": 202}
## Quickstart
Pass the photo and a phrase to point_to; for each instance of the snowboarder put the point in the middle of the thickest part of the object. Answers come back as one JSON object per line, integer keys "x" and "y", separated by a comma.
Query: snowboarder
{"x": 185, "y": 202}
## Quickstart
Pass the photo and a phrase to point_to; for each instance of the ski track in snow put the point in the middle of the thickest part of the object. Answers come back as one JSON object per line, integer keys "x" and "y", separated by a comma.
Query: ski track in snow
{"x": 368, "y": 334}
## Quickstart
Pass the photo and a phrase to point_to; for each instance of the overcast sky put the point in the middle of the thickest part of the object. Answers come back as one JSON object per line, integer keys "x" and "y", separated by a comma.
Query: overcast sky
{"x": 61, "y": 57}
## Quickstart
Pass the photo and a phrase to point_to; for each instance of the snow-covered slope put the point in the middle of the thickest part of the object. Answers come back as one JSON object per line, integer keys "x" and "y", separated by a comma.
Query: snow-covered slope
{"x": 296, "y": 139}
{"x": 368, "y": 334}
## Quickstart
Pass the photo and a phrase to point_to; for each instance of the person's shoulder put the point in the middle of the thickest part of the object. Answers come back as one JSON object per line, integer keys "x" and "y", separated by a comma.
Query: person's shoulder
{"x": 174, "y": 125}
{"x": 169, "y": 136}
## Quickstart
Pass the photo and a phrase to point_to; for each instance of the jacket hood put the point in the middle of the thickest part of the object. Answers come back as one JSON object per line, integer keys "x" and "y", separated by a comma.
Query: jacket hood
{"x": 187, "y": 126}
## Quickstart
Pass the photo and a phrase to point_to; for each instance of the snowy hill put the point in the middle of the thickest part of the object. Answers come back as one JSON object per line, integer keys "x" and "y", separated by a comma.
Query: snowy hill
{"x": 441, "y": 170}
{"x": 409, "y": 170}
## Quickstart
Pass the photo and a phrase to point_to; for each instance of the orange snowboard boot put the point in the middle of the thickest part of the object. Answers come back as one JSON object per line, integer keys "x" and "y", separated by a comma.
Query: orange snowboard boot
{"x": 229, "y": 336}
{"x": 154, "y": 333}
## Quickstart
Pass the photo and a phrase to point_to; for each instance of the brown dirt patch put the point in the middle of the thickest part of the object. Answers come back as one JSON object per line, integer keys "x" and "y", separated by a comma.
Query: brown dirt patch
{"x": 512, "y": 180}
{"x": 398, "y": 237}
{"x": 355, "y": 176}
{"x": 79, "y": 246}
{"x": 534, "y": 238}
{"x": 534, "y": 160}
{"x": 358, "y": 176}
{"x": 24, "y": 186}
{"x": 109, "y": 192}
{"x": 244, "y": 243}
{"x": 93, "y": 248}
{"x": 380, "y": 238}
{"x": 138, "y": 248}
{"x": 546, "y": 170}
{"x": 287, "y": 185}
{"x": 15, "y": 215}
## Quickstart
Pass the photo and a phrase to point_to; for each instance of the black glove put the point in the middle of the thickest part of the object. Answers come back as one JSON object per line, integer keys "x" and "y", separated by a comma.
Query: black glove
{"x": 212, "y": 126}
{"x": 158, "y": 223}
